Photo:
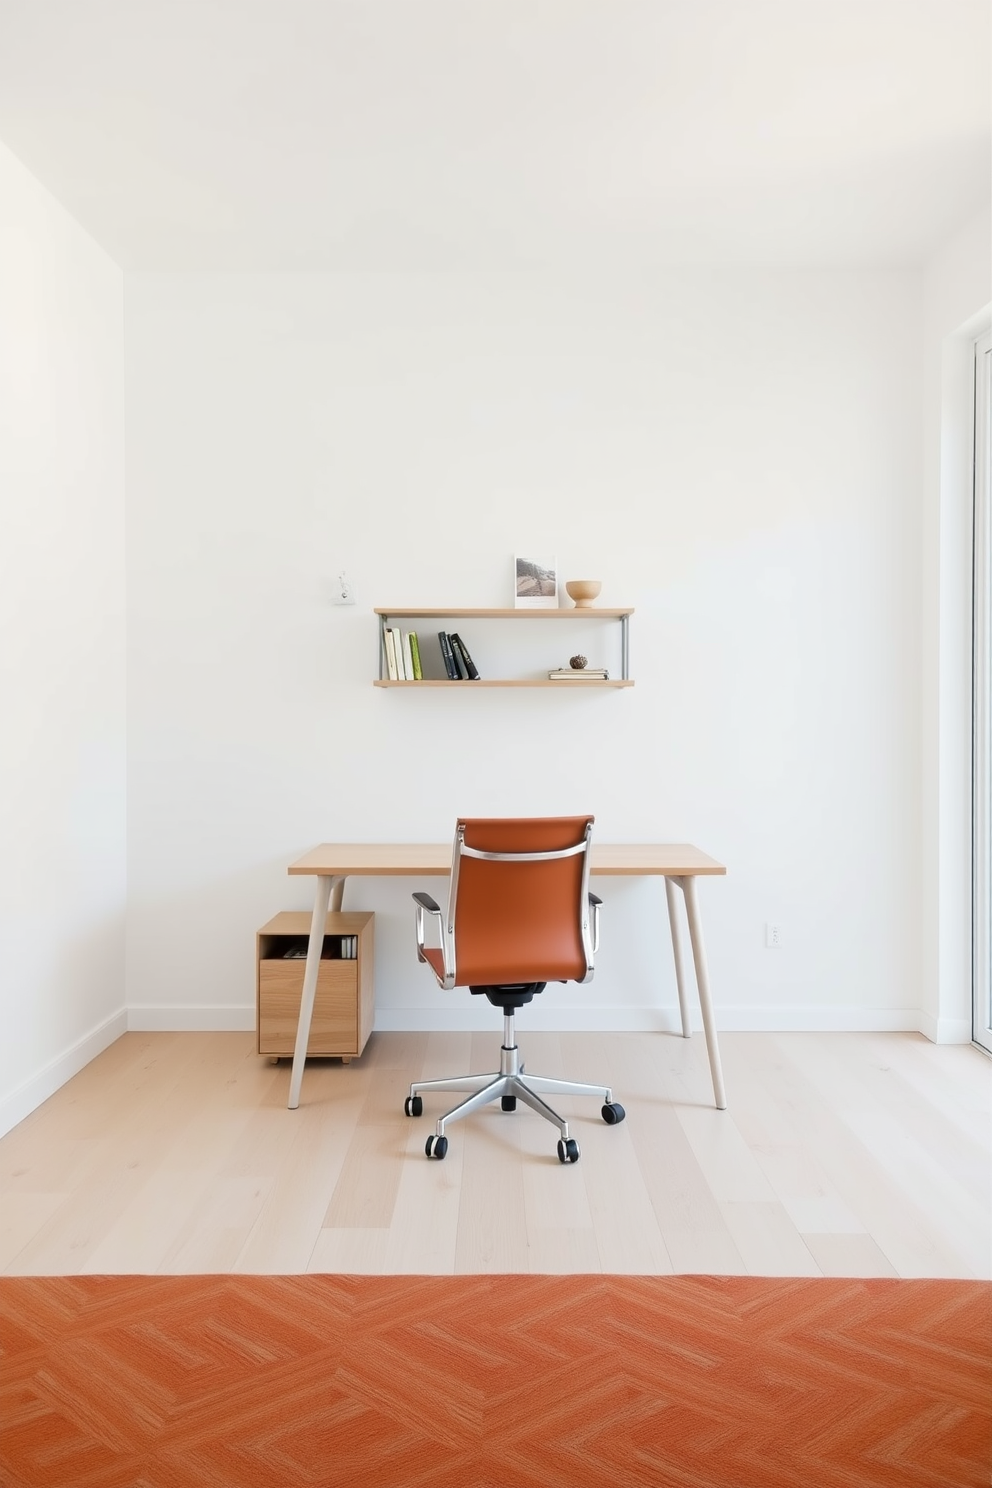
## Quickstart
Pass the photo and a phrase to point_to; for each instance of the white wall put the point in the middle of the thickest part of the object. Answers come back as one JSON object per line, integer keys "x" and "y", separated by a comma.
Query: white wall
{"x": 62, "y": 764}
{"x": 957, "y": 295}
{"x": 735, "y": 453}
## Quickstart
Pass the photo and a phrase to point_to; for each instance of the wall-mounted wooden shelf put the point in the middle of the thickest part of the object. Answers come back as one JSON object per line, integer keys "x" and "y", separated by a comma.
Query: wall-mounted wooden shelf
{"x": 584, "y": 612}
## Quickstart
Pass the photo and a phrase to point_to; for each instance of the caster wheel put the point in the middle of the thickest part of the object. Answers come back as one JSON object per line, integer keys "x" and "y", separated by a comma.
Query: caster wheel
{"x": 613, "y": 1113}
{"x": 414, "y": 1106}
{"x": 508, "y": 1102}
{"x": 568, "y": 1152}
{"x": 436, "y": 1147}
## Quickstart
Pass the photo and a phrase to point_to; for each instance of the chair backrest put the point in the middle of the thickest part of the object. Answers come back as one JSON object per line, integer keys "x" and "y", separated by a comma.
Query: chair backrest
{"x": 518, "y": 900}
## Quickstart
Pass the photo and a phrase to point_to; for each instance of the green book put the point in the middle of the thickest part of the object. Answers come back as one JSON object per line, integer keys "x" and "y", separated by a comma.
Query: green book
{"x": 418, "y": 673}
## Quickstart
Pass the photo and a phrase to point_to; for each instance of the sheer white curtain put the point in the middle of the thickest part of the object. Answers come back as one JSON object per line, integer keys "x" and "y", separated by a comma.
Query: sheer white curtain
{"x": 982, "y": 698}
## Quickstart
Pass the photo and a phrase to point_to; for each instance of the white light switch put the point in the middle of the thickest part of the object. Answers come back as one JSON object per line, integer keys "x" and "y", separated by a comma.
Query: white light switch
{"x": 343, "y": 592}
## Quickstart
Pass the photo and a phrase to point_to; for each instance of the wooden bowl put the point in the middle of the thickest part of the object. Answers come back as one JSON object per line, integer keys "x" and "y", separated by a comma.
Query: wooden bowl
{"x": 583, "y": 591}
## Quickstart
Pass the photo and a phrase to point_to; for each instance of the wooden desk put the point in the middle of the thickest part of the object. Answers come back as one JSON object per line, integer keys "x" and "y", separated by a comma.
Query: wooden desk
{"x": 679, "y": 864}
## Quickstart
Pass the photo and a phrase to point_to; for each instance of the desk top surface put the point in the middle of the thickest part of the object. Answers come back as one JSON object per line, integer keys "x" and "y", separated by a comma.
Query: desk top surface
{"x": 408, "y": 859}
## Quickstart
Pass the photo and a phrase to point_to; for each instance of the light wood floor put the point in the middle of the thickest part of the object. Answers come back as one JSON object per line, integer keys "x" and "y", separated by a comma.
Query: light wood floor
{"x": 840, "y": 1154}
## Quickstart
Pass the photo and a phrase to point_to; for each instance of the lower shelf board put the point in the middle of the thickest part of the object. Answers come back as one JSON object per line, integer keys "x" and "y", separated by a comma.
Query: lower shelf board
{"x": 510, "y": 682}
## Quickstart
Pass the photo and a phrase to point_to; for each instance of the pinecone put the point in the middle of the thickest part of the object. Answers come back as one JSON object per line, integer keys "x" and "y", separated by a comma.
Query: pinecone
{"x": 578, "y": 662}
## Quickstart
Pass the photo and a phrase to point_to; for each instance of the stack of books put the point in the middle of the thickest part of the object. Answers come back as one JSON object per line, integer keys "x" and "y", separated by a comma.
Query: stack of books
{"x": 586, "y": 674}
{"x": 455, "y": 655}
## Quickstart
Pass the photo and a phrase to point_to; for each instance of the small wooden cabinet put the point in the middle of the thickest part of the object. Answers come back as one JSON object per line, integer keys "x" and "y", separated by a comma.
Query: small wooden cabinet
{"x": 343, "y": 1007}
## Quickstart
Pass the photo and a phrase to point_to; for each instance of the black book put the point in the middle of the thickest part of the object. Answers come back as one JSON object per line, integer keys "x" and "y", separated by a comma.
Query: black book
{"x": 462, "y": 657}
{"x": 447, "y": 656}
{"x": 458, "y": 658}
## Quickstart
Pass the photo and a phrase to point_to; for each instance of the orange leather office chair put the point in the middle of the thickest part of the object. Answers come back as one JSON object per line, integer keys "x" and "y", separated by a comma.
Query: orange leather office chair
{"x": 519, "y": 915}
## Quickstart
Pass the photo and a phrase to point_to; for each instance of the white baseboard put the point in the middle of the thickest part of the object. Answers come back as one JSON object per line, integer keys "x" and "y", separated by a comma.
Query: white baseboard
{"x": 479, "y": 1016}
{"x": 824, "y": 1019}
{"x": 471, "y": 1017}
{"x": 29, "y": 1096}
{"x": 226, "y": 1019}
{"x": 945, "y": 1030}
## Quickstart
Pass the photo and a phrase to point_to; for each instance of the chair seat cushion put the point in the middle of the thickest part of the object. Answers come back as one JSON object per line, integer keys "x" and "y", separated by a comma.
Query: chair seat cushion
{"x": 434, "y": 959}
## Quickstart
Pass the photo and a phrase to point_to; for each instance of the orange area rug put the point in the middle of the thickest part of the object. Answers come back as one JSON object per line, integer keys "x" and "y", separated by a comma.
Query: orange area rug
{"x": 493, "y": 1382}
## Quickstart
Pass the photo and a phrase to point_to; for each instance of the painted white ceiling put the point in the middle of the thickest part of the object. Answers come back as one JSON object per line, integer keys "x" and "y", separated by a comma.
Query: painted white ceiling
{"x": 321, "y": 134}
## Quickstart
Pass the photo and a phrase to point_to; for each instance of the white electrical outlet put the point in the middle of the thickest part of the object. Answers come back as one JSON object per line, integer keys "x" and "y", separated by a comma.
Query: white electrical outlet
{"x": 773, "y": 936}
{"x": 343, "y": 592}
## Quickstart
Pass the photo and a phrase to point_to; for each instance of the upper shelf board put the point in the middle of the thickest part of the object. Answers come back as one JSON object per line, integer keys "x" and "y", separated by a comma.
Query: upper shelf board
{"x": 580, "y": 612}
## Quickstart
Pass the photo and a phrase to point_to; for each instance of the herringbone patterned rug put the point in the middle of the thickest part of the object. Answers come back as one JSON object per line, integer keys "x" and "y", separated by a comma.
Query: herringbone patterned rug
{"x": 493, "y": 1382}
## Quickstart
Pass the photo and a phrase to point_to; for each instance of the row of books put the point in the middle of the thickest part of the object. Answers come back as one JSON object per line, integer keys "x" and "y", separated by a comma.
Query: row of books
{"x": 403, "y": 663}
{"x": 455, "y": 655}
{"x": 402, "y": 655}
{"x": 335, "y": 948}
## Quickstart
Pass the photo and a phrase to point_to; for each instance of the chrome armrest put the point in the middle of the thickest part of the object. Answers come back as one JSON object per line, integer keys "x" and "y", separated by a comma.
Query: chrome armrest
{"x": 425, "y": 905}
{"x": 595, "y": 902}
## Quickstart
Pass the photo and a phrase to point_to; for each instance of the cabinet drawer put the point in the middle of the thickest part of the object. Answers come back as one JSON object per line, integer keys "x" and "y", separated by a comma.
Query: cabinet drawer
{"x": 334, "y": 1029}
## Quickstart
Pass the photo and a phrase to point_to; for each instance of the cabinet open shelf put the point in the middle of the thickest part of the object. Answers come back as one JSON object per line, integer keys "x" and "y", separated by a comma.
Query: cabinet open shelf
{"x": 585, "y": 613}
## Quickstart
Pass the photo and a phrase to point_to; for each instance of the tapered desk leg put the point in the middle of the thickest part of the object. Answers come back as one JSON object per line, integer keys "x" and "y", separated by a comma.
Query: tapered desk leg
{"x": 321, "y": 899}
{"x": 673, "y": 920}
{"x": 688, "y": 883}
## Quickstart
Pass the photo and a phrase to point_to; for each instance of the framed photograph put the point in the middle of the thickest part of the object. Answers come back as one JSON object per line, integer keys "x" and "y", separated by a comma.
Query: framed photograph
{"x": 535, "y": 583}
